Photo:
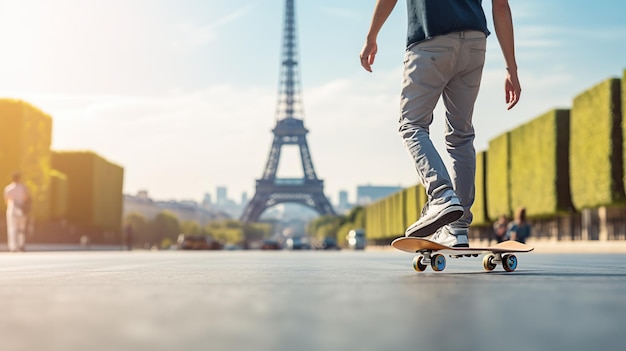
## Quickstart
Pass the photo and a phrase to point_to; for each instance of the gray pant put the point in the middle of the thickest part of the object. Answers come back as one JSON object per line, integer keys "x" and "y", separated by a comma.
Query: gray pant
{"x": 448, "y": 66}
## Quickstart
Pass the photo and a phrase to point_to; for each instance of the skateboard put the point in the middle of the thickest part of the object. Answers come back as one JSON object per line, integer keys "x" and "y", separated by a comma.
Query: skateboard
{"x": 431, "y": 253}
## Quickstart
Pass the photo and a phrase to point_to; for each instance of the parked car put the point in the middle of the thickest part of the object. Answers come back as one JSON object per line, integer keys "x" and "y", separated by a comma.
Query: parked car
{"x": 270, "y": 244}
{"x": 298, "y": 243}
{"x": 329, "y": 243}
{"x": 356, "y": 239}
{"x": 197, "y": 242}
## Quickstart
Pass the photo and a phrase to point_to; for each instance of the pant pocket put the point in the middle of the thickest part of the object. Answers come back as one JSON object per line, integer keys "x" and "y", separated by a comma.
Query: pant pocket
{"x": 472, "y": 76}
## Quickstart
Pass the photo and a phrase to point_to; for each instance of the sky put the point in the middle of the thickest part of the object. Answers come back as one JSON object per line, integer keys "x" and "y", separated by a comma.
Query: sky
{"x": 182, "y": 93}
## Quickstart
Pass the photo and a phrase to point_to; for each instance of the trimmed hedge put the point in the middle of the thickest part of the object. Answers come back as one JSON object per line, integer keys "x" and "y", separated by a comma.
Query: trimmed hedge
{"x": 25, "y": 139}
{"x": 58, "y": 195}
{"x": 498, "y": 169}
{"x": 398, "y": 204}
{"x": 479, "y": 208}
{"x": 389, "y": 217}
{"x": 539, "y": 170}
{"x": 411, "y": 208}
{"x": 596, "y": 165}
{"x": 95, "y": 185}
{"x": 415, "y": 199}
{"x": 374, "y": 220}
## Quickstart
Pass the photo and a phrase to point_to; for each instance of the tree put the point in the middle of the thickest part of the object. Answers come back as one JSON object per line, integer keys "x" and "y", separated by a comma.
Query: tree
{"x": 192, "y": 228}
{"x": 164, "y": 225}
{"x": 141, "y": 230}
{"x": 236, "y": 232}
{"x": 337, "y": 226}
{"x": 325, "y": 225}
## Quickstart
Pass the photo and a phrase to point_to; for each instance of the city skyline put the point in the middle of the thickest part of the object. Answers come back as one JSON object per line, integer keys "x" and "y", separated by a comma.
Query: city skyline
{"x": 185, "y": 101}
{"x": 363, "y": 194}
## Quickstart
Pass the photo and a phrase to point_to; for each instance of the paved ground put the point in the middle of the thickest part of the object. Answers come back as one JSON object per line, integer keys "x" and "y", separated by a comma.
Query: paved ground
{"x": 307, "y": 301}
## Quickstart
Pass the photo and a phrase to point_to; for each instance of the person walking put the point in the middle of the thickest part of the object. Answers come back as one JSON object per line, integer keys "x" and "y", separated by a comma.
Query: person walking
{"x": 17, "y": 201}
{"x": 445, "y": 55}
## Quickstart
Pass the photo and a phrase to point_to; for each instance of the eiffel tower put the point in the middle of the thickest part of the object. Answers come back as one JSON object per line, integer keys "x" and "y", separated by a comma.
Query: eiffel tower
{"x": 289, "y": 130}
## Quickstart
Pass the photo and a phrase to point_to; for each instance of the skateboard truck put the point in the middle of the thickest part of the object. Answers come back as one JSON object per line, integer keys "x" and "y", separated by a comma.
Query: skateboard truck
{"x": 436, "y": 261}
{"x": 508, "y": 261}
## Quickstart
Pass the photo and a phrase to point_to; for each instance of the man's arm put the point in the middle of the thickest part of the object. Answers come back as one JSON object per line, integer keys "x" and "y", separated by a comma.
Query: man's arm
{"x": 503, "y": 23}
{"x": 381, "y": 13}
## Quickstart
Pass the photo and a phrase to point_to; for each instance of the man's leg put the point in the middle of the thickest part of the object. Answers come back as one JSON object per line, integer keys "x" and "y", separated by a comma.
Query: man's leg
{"x": 22, "y": 222}
{"x": 11, "y": 232}
{"x": 459, "y": 98}
{"x": 426, "y": 72}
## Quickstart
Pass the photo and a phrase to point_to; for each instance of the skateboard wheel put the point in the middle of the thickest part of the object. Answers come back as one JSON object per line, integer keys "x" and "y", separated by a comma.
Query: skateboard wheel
{"x": 417, "y": 263}
{"x": 509, "y": 262}
{"x": 438, "y": 262}
{"x": 488, "y": 263}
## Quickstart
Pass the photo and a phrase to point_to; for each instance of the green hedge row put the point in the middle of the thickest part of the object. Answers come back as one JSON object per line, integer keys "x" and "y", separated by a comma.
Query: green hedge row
{"x": 596, "y": 167}
{"x": 498, "y": 168}
{"x": 25, "y": 138}
{"x": 391, "y": 216}
{"x": 479, "y": 208}
{"x": 94, "y": 188}
{"x": 539, "y": 178}
{"x": 58, "y": 195}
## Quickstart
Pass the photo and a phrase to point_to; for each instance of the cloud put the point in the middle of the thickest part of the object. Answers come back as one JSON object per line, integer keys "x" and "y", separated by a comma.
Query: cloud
{"x": 342, "y": 12}
{"x": 233, "y": 16}
{"x": 190, "y": 34}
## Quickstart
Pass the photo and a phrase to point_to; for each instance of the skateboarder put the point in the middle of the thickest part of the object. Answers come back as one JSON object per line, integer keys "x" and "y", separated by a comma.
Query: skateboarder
{"x": 444, "y": 57}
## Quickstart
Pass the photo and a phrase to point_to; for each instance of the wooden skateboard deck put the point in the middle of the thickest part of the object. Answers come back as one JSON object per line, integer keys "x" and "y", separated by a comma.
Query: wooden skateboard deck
{"x": 433, "y": 253}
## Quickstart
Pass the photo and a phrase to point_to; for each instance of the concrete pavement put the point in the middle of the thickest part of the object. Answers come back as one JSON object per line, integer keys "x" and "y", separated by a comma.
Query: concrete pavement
{"x": 307, "y": 301}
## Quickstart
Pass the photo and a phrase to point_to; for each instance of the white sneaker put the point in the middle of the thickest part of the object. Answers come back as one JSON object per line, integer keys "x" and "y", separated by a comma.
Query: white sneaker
{"x": 451, "y": 237}
{"x": 435, "y": 216}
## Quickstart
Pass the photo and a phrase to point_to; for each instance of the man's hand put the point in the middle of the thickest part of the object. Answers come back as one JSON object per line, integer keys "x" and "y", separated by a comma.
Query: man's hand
{"x": 382, "y": 10}
{"x": 512, "y": 89}
{"x": 368, "y": 54}
{"x": 503, "y": 23}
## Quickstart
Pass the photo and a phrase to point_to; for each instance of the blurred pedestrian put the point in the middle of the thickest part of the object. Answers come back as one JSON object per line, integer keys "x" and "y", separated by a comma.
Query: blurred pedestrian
{"x": 18, "y": 203}
{"x": 519, "y": 230}
{"x": 444, "y": 58}
{"x": 500, "y": 229}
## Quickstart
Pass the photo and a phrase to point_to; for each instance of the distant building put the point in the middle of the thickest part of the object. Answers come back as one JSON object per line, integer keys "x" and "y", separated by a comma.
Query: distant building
{"x": 244, "y": 199}
{"x": 184, "y": 210}
{"x": 206, "y": 202}
{"x": 343, "y": 205}
{"x": 222, "y": 195}
{"x": 343, "y": 198}
{"x": 366, "y": 194}
{"x": 224, "y": 204}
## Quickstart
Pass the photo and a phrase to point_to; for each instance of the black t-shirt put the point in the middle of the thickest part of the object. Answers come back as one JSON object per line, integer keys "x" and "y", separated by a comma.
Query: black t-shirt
{"x": 429, "y": 18}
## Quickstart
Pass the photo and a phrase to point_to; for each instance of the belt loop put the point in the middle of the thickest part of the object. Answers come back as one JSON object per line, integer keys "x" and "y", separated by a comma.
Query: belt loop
{"x": 462, "y": 35}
